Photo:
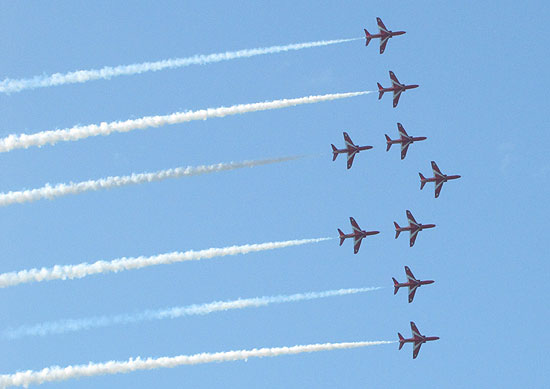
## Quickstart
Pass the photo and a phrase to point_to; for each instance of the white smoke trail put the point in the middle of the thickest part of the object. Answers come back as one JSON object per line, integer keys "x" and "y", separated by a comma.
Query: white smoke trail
{"x": 73, "y": 325}
{"x": 80, "y": 76}
{"x": 57, "y": 373}
{"x": 51, "y": 192}
{"x": 81, "y": 270}
{"x": 24, "y": 141}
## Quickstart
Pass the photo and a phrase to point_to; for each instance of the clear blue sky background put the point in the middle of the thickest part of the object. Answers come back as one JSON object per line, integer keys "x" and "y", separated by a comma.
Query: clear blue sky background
{"x": 482, "y": 102}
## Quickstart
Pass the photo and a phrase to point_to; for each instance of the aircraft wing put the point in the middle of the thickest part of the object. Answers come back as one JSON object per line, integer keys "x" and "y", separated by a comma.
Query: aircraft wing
{"x": 351, "y": 155}
{"x": 383, "y": 43}
{"x": 416, "y": 349}
{"x": 413, "y": 237}
{"x": 438, "y": 187}
{"x": 396, "y": 95}
{"x": 354, "y": 225}
{"x": 411, "y": 219}
{"x": 412, "y": 291}
{"x": 414, "y": 330}
{"x": 404, "y": 148}
{"x": 381, "y": 25}
{"x": 436, "y": 170}
{"x": 357, "y": 244}
{"x": 402, "y": 131}
{"x": 409, "y": 273}
{"x": 348, "y": 140}
{"x": 394, "y": 80}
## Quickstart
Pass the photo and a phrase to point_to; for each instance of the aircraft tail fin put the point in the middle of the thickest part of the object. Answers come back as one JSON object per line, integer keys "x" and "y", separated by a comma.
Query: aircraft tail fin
{"x": 388, "y": 142}
{"x": 422, "y": 181}
{"x": 401, "y": 339}
{"x": 395, "y": 286}
{"x": 342, "y": 237}
{"x": 367, "y": 37}
{"x": 397, "y": 229}
{"x": 334, "y": 152}
{"x": 380, "y": 91}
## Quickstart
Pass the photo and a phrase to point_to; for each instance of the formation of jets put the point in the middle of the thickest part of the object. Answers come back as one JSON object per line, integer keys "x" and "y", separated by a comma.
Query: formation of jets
{"x": 414, "y": 227}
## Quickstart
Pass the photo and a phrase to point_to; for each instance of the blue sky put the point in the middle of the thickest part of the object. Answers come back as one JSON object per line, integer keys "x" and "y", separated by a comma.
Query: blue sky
{"x": 482, "y": 103}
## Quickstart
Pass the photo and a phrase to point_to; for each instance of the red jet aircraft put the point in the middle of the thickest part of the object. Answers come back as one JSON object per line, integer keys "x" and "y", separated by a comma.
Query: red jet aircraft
{"x": 412, "y": 283}
{"x": 351, "y": 149}
{"x": 439, "y": 178}
{"x": 413, "y": 227}
{"x": 405, "y": 140}
{"x": 397, "y": 88}
{"x": 384, "y": 35}
{"x": 357, "y": 235}
{"x": 417, "y": 339}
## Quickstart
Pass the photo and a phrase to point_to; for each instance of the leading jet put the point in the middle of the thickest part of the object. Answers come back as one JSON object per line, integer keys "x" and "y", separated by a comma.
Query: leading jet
{"x": 412, "y": 283}
{"x": 358, "y": 234}
{"x": 397, "y": 88}
{"x": 351, "y": 149}
{"x": 417, "y": 339}
{"x": 405, "y": 140}
{"x": 439, "y": 178}
{"x": 384, "y": 35}
{"x": 414, "y": 228}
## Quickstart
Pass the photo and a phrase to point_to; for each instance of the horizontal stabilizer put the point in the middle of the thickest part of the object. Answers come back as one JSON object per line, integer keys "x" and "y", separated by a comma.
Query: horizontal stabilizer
{"x": 334, "y": 152}
{"x": 401, "y": 339}
{"x": 397, "y": 229}
{"x": 388, "y": 142}
{"x": 422, "y": 181}
{"x": 380, "y": 91}
{"x": 367, "y": 37}
{"x": 395, "y": 286}
{"x": 342, "y": 237}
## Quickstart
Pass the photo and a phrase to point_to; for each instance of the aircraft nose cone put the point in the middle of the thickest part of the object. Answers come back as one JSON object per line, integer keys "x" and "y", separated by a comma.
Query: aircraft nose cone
{"x": 375, "y": 232}
{"x": 414, "y": 86}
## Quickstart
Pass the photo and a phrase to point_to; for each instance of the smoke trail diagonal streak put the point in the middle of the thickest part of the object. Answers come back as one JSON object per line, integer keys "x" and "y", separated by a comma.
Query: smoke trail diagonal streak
{"x": 23, "y": 141}
{"x": 80, "y": 76}
{"x": 51, "y": 192}
{"x": 57, "y": 373}
{"x": 67, "y": 272}
{"x": 73, "y": 325}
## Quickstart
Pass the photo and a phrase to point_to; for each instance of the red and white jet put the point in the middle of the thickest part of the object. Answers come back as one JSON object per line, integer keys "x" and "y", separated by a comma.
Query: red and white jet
{"x": 358, "y": 234}
{"x": 384, "y": 35}
{"x": 351, "y": 149}
{"x": 414, "y": 228}
{"x": 417, "y": 339}
{"x": 405, "y": 140}
{"x": 439, "y": 178}
{"x": 412, "y": 283}
{"x": 397, "y": 88}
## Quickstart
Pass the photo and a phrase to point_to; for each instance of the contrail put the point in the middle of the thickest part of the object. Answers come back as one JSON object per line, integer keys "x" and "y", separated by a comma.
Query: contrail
{"x": 24, "y": 141}
{"x": 51, "y": 192}
{"x": 57, "y": 373}
{"x": 81, "y": 270}
{"x": 73, "y": 325}
{"x": 80, "y": 76}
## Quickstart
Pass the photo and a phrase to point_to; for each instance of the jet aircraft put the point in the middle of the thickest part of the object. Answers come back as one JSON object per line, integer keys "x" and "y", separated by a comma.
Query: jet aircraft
{"x": 384, "y": 35}
{"x": 405, "y": 140}
{"x": 397, "y": 88}
{"x": 351, "y": 149}
{"x": 358, "y": 234}
{"x": 413, "y": 227}
{"x": 439, "y": 178}
{"x": 417, "y": 339}
{"x": 412, "y": 283}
